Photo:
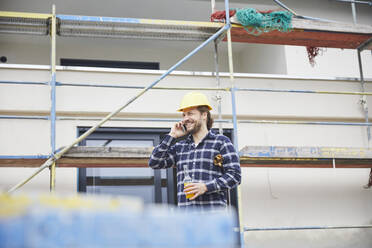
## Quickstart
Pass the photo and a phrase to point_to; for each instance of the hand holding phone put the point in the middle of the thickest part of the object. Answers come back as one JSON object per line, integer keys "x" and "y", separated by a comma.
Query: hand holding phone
{"x": 178, "y": 130}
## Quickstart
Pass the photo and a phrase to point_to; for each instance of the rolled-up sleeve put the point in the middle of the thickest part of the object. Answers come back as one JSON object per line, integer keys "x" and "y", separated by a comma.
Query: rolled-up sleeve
{"x": 163, "y": 155}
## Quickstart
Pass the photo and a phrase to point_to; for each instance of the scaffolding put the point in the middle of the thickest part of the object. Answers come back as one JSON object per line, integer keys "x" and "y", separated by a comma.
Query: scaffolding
{"x": 305, "y": 33}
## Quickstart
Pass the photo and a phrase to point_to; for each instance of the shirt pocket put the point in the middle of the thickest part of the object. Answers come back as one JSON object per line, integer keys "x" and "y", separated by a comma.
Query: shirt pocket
{"x": 209, "y": 161}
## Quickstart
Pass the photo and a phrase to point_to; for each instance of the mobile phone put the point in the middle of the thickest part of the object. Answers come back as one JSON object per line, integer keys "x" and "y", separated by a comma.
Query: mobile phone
{"x": 184, "y": 128}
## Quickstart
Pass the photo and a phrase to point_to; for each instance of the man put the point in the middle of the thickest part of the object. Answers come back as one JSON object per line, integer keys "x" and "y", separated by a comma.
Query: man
{"x": 206, "y": 159}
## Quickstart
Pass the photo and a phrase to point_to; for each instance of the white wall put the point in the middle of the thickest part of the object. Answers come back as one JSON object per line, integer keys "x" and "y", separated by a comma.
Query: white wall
{"x": 331, "y": 62}
{"x": 306, "y": 197}
{"x": 24, "y": 49}
{"x": 271, "y": 197}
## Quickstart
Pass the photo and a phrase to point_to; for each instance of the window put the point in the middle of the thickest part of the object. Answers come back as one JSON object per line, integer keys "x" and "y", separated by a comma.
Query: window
{"x": 151, "y": 185}
{"x": 111, "y": 64}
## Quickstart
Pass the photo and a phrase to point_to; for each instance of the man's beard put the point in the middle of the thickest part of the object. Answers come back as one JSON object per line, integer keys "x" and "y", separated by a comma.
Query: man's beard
{"x": 196, "y": 128}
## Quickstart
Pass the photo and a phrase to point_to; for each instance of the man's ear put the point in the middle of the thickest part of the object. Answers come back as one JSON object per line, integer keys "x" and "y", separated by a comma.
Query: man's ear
{"x": 205, "y": 115}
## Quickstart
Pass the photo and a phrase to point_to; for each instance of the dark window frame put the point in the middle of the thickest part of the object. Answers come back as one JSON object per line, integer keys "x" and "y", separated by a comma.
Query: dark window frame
{"x": 154, "y": 134}
{"x": 110, "y": 63}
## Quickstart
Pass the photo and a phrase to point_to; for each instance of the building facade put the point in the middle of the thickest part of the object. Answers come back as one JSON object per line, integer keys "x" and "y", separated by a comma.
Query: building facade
{"x": 270, "y": 197}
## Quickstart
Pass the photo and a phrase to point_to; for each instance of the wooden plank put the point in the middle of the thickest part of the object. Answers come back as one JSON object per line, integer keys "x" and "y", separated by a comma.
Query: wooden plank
{"x": 108, "y": 152}
{"x": 102, "y": 162}
{"x": 367, "y": 45}
{"x": 250, "y": 156}
{"x": 305, "y": 152}
{"x": 342, "y": 27}
{"x": 305, "y": 163}
{"x": 302, "y": 38}
{"x": 21, "y": 162}
{"x": 316, "y": 25}
{"x": 309, "y": 165}
{"x": 143, "y": 163}
{"x": 309, "y": 33}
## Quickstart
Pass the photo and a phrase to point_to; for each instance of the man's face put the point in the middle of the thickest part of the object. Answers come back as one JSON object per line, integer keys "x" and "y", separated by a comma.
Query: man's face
{"x": 193, "y": 120}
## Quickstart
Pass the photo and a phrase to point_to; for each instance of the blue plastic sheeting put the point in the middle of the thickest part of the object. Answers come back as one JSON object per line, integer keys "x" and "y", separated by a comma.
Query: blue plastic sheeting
{"x": 54, "y": 226}
{"x": 97, "y": 19}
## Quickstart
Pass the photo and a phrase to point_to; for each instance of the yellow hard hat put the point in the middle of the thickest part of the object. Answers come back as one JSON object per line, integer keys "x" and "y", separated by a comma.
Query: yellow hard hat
{"x": 194, "y": 99}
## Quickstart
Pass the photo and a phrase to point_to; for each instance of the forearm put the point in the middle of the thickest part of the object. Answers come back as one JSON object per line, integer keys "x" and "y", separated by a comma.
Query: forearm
{"x": 230, "y": 179}
{"x": 163, "y": 155}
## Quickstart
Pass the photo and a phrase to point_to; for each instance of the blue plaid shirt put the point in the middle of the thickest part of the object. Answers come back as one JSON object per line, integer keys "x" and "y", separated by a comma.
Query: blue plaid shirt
{"x": 197, "y": 162}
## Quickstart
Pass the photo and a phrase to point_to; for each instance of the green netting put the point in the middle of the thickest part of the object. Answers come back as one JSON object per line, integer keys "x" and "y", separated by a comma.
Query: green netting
{"x": 255, "y": 22}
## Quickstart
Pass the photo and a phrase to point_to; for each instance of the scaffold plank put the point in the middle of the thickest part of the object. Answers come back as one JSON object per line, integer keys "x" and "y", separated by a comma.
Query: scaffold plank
{"x": 306, "y": 152}
{"x": 24, "y": 15}
{"x": 250, "y": 156}
{"x": 305, "y": 32}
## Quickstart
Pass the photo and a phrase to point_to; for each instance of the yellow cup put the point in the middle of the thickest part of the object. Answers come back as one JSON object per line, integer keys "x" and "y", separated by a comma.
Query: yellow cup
{"x": 188, "y": 196}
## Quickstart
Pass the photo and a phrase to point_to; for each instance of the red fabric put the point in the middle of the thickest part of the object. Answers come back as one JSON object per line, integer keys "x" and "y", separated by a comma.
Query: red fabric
{"x": 221, "y": 15}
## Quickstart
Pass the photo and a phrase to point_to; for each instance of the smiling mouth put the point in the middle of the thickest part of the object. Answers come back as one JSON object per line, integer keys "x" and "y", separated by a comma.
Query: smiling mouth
{"x": 189, "y": 125}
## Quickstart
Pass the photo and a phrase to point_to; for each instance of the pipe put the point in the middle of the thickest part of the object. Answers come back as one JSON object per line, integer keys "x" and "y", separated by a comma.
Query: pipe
{"x": 225, "y": 89}
{"x": 353, "y": 10}
{"x": 139, "y": 87}
{"x": 213, "y": 6}
{"x": 52, "y": 178}
{"x": 218, "y": 96}
{"x": 248, "y": 229}
{"x": 25, "y": 157}
{"x": 327, "y": 123}
{"x": 204, "y": 88}
{"x": 306, "y": 91}
{"x": 91, "y": 130}
{"x": 24, "y": 15}
{"x": 130, "y": 119}
{"x": 227, "y": 11}
{"x": 53, "y": 112}
{"x": 53, "y": 27}
{"x": 234, "y": 118}
{"x": 363, "y": 100}
{"x": 285, "y": 7}
{"x": 192, "y": 73}
{"x": 24, "y": 83}
{"x": 364, "y": 45}
{"x": 300, "y": 16}
{"x": 352, "y": 1}
{"x": 73, "y": 118}
{"x": 235, "y": 124}
{"x": 24, "y": 117}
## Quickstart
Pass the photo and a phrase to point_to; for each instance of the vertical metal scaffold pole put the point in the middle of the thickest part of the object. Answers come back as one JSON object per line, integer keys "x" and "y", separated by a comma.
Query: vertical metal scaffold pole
{"x": 218, "y": 95}
{"x": 353, "y": 10}
{"x": 52, "y": 167}
{"x": 235, "y": 121}
{"x": 363, "y": 99}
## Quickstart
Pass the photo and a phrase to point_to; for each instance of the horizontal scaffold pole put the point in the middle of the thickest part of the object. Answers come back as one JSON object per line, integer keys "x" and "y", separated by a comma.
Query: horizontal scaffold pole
{"x": 24, "y": 157}
{"x": 24, "y": 83}
{"x": 248, "y": 229}
{"x": 59, "y": 154}
{"x": 327, "y": 123}
{"x": 77, "y": 118}
{"x": 195, "y": 88}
